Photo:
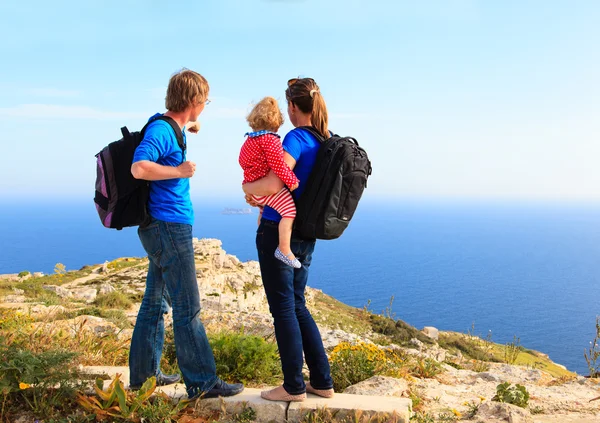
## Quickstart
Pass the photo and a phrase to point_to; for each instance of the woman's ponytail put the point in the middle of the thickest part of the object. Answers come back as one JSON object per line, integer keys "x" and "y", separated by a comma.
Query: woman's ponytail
{"x": 305, "y": 93}
{"x": 319, "y": 117}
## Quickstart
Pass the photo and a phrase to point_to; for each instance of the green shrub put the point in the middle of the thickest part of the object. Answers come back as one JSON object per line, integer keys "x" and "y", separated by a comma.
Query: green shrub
{"x": 592, "y": 356}
{"x": 24, "y": 273}
{"x": 113, "y": 299}
{"x": 512, "y": 351}
{"x": 400, "y": 332}
{"x": 426, "y": 368}
{"x": 245, "y": 358}
{"x": 515, "y": 394}
{"x": 468, "y": 347}
{"x": 351, "y": 364}
{"x": 42, "y": 383}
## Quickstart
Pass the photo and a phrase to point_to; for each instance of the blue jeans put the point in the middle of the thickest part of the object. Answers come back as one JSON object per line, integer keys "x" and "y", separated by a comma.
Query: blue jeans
{"x": 295, "y": 329}
{"x": 171, "y": 274}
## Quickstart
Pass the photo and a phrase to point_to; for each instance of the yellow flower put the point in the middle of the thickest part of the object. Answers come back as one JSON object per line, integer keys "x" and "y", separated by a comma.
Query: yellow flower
{"x": 456, "y": 413}
{"x": 24, "y": 385}
{"x": 481, "y": 398}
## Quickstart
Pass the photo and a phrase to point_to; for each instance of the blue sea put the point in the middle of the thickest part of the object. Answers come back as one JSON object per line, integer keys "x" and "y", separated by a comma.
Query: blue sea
{"x": 515, "y": 269}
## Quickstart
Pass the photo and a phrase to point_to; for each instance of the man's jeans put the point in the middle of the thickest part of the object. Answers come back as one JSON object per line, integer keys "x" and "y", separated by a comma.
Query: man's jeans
{"x": 171, "y": 274}
{"x": 295, "y": 329}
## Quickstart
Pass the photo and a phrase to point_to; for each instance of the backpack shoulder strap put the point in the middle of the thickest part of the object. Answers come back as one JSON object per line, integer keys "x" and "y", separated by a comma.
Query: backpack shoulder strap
{"x": 176, "y": 129}
{"x": 174, "y": 126}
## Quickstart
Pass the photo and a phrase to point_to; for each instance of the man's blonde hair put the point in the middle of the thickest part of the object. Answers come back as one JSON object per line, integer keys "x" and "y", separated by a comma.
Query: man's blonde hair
{"x": 186, "y": 88}
{"x": 265, "y": 116}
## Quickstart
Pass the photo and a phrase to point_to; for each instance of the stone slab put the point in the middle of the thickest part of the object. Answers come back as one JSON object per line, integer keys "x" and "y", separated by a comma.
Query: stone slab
{"x": 106, "y": 372}
{"x": 345, "y": 405}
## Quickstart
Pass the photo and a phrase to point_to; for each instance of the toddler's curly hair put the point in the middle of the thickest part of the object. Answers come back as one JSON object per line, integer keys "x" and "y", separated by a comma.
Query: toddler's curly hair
{"x": 265, "y": 115}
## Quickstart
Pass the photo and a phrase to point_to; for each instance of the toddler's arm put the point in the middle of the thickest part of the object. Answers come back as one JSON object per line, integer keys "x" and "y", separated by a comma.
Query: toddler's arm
{"x": 274, "y": 155}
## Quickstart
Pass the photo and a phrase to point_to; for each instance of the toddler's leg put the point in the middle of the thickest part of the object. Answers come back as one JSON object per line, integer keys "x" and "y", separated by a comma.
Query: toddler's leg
{"x": 283, "y": 203}
{"x": 285, "y": 235}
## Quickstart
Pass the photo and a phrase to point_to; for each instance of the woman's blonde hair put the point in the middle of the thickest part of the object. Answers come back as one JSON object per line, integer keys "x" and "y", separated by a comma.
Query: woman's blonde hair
{"x": 305, "y": 94}
{"x": 186, "y": 88}
{"x": 265, "y": 115}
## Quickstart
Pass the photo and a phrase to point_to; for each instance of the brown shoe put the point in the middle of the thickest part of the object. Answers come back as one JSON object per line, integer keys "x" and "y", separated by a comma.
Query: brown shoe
{"x": 325, "y": 393}
{"x": 280, "y": 394}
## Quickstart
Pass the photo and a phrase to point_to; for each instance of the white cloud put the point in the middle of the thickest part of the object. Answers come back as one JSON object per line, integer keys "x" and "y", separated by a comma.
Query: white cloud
{"x": 55, "y": 111}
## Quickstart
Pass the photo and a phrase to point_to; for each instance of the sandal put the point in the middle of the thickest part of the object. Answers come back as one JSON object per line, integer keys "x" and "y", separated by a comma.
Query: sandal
{"x": 293, "y": 262}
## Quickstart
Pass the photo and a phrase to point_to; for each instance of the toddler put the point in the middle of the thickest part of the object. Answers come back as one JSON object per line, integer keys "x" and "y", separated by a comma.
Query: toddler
{"x": 261, "y": 152}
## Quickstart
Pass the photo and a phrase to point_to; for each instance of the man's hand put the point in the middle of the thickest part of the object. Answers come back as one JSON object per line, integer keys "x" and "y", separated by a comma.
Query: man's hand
{"x": 186, "y": 169}
{"x": 193, "y": 127}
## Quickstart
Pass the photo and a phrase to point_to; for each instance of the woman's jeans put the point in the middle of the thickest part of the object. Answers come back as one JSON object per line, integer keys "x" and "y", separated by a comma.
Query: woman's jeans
{"x": 295, "y": 328}
{"x": 171, "y": 274}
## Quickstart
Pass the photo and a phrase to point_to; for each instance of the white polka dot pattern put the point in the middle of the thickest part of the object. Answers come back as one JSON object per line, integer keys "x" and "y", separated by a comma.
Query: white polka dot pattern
{"x": 262, "y": 153}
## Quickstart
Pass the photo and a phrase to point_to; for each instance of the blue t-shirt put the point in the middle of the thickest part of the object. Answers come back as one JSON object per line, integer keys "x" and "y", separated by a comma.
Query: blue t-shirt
{"x": 303, "y": 147}
{"x": 169, "y": 199}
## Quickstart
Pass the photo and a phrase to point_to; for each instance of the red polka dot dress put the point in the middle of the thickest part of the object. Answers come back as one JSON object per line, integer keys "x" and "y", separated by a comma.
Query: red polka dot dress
{"x": 262, "y": 152}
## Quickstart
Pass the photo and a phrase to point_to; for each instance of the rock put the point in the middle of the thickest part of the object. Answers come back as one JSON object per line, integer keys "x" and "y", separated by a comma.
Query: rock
{"x": 25, "y": 277}
{"x": 95, "y": 324}
{"x": 86, "y": 294}
{"x": 231, "y": 262}
{"x": 38, "y": 274}
{"x": 58, "y": 290}
{"x": 266, "y": 411}
{"x": 420, "y": 345}
{"x": 516, "y": 374}
{"x": 503, "y": 412}
{"x": 13, "y": 299}
{"x": 47, "y": 310}
{"x": 105, "y": 267}
{"x": 379, "y": 385}
{"x": 106, "y": 288}
{"x": 219, "y": 260}
{"x": 332, "y": 337}
{"x": 18, "y": 291}
{"x": 489, "y": 377}
{"x": 431, "y": 332}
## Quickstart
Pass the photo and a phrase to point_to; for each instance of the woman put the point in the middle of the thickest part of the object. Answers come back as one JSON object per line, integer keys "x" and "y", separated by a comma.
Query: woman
{"x": 295, "y": 329}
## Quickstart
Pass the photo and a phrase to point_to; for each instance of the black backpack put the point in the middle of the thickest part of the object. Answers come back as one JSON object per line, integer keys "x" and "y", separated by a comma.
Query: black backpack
{"x": 120, "y": 198}
{"x": 333, "y": 188}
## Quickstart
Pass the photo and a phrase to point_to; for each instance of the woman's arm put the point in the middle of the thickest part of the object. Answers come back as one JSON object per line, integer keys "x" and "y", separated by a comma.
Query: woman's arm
{"x": 270, "y": 184}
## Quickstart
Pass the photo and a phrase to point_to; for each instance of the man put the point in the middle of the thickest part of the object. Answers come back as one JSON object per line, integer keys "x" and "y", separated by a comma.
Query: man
{"x": 168, "y": 241}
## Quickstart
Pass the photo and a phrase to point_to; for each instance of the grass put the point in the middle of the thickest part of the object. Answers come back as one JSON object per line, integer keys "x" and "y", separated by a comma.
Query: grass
{"x": 399, "y": 332}
{"x": 333, "y": 313}
{"x": 469, "y": 346}
{"x": 245, "y": 358}
{"x": 33, "y": 287}
{"x": 117, "y": 317}
{"x": 474, "y": 348}
{"x": 115, "y": 299}
{"x": 127, "y": 262}
{"x": 535, "y": 360}
{"x": 325, "y": 415}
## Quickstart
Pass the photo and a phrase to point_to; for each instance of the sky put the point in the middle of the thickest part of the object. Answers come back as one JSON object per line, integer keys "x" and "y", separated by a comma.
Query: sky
{"x": 450, "y": 98}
